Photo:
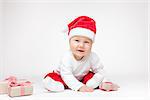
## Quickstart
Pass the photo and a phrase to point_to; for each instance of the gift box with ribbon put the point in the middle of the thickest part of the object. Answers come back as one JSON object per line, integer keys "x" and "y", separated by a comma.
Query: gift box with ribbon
{"x": 106, "y": 87}
{"x": 5, "y": 83}
{"x": 20, "y": 89}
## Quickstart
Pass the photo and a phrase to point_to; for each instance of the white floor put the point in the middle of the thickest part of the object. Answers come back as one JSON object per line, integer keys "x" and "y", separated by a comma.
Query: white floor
{"x": 130, "y": 90}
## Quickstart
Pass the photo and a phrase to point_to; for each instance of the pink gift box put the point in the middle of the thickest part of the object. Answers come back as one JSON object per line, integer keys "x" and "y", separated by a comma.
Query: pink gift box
{"x": 4, "y": 84}
{"x": 20, "y": 89}
{"x": 3, "y": 87}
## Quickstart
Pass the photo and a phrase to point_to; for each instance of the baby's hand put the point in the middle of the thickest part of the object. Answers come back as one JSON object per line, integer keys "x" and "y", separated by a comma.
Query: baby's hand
{"x": 109, "y": 86}
{"x": 86, "y": 89}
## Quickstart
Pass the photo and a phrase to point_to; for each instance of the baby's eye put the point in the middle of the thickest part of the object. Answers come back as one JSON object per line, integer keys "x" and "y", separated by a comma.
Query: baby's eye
{"x": 86, "y": 42}
{"x": 77, "y": 40}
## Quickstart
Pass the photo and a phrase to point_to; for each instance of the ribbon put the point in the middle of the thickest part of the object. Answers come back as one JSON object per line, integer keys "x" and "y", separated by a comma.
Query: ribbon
{"x": 11, "y": 79}
{"x": 14, "y": 84}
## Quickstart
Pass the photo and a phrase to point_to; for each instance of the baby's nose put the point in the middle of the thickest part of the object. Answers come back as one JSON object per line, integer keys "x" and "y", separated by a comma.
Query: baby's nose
{"x": 81, "y": 44}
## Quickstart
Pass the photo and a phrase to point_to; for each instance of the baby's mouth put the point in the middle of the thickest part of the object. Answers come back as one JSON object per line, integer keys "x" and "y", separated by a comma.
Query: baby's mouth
{"x": 80, "y": 50}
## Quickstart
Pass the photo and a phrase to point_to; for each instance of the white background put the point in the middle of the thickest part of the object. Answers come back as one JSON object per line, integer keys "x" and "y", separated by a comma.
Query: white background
{"x": 32, "y": 41}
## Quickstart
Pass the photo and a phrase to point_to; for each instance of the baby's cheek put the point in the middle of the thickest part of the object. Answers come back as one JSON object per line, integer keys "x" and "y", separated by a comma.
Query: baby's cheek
{"x": 87, "y": 48}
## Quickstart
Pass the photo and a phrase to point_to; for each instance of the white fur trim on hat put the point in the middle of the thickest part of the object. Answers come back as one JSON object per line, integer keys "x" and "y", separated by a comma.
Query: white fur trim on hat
{"x": 82, "y": 32}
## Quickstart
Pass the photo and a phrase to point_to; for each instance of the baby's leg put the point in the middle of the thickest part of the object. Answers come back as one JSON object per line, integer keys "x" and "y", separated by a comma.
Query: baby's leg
{"x": 51, "y": 83}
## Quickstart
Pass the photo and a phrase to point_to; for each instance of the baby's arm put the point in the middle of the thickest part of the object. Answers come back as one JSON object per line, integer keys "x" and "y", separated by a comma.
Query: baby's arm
{"x": 69, "y": 78}
{"x": 97, "y": 68}
{"x": 72, "y": 82}
{"x": 99, "y": 78}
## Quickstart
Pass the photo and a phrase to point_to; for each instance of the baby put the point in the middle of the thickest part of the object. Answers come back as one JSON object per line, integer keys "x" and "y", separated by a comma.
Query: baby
{"x": 80, "y": 68}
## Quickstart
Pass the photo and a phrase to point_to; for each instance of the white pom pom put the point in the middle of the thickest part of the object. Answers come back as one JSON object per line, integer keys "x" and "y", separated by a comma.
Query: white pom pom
{"x": 65, "y": 29}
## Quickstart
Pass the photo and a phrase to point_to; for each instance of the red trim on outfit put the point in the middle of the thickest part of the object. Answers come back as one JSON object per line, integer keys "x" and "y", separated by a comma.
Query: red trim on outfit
{"x": 57, "y": 77}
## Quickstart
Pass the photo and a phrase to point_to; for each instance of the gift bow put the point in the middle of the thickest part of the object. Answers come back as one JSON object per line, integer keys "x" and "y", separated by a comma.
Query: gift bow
{"x": 11, "y": 79}
{"x": 14, "y": 84}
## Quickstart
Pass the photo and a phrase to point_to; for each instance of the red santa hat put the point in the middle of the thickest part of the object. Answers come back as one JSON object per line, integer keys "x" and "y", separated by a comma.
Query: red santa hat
{"x": 82, "y": 26}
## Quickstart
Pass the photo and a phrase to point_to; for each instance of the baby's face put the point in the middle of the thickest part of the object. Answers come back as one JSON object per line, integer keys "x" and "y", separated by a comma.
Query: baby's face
{"x": 80, "y": 46}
